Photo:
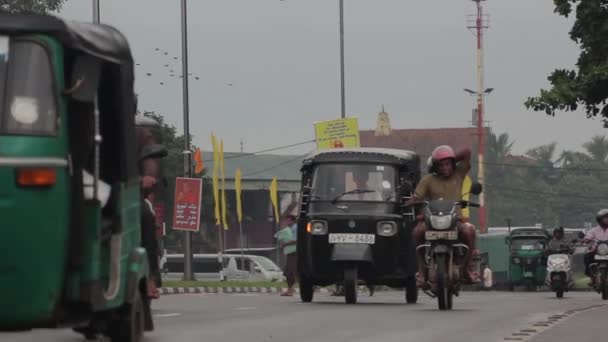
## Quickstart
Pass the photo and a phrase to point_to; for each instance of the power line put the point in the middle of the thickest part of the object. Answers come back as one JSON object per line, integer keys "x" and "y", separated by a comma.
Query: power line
{"x": 241, "y": 155}
{"x": 550, "y": 167}
{"x": 291, "y": 160}
{"x": 555, "y": 194}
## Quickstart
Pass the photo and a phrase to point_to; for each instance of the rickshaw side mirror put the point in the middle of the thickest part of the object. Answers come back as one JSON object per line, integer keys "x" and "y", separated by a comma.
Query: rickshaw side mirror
{"x": 85, "y": 78}
{"x": 153, "y": 151}
{"x": 476, "y": 188}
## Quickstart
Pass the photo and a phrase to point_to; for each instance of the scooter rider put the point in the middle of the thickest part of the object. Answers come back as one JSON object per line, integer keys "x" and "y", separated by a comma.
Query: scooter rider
{"x": 558, "y": 243}
{"x": 597, "y": 233}
{"x": 445, "y": 182}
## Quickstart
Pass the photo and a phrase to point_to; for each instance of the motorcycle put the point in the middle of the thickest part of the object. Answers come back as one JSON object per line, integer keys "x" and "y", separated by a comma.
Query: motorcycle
{"x": 559, "y": 275}
{"x": 444, "y": 255}
{"x": 599, "y": 268}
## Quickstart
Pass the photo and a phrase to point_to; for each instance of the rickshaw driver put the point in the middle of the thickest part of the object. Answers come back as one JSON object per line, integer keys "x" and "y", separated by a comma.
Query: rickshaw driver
{"x": 362, "y": 192}
{"x": 449, "y": 170}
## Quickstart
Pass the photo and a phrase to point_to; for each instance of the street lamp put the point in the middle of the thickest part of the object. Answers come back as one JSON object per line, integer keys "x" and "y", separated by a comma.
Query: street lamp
{"x": 342, "y": 86}
{"x": 473, "y": 92}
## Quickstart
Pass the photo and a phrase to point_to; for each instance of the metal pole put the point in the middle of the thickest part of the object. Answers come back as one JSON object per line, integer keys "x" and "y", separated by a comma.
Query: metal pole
{"x": 187, "y": 153}
{"x": 480, "y": 113}
{"x": 96, "y": 11}
{"x": 342, "y": 87}
{"x": 241, "y": 243}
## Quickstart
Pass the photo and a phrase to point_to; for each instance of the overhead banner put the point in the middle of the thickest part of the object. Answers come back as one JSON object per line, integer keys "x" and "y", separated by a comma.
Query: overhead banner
{"x": 341, "y": 133}
{"x": 187, "y": 204}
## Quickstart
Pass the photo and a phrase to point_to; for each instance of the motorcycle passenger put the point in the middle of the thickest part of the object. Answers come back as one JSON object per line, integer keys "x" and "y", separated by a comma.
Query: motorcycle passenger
{"x": 449, "y": 170}
{"x": 597, "y": 233}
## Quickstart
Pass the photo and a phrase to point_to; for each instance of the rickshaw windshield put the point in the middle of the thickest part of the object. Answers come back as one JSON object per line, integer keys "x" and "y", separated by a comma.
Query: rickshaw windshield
{"x": 27, "y": 97}
{"x": 354, "y": 182}
{"x": 523, "y": 244}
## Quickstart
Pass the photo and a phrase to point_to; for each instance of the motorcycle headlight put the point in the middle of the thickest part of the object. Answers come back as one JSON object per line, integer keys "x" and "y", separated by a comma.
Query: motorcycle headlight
{"x": 558, "y": 261}
{"x": 317, "y": 227}
{"x": 441, "y": 222}
{"x": 387, "y": 228}
{"x": 602, "y": 249}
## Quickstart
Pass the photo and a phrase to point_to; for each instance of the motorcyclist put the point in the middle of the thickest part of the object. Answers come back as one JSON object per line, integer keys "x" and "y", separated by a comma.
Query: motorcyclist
{"x": 558, "y": 243}
{"x": 448, "y": 171}
{"x": 597, "y": 233}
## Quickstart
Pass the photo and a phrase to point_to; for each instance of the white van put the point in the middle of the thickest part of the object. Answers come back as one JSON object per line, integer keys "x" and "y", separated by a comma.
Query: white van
{"x": 208, "y": 267}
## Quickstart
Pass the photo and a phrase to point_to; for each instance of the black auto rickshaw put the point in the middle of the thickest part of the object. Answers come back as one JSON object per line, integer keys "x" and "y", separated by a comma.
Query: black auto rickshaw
{"x": 352, "y": 224}
{"x": 69, "y": 180}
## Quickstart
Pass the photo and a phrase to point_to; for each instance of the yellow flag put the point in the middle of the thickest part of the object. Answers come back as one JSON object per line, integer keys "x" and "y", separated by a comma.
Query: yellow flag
{"x": 237, "y": 186}
{"x": 224, "y": 217}
{"x": 274, "y": 197}
{"x": 466, "y": 187}
{"x": 216, "y": 190}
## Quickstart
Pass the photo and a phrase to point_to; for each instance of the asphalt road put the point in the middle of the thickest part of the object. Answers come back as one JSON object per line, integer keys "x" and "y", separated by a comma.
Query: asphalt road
{"x": 484, "y": 317}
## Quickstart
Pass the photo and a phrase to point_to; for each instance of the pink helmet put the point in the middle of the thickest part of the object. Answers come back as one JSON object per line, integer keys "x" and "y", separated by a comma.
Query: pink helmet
{"x": 443, "y": 152}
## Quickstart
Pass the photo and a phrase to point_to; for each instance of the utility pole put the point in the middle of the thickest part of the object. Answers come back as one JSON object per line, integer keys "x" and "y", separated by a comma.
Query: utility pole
{"x": 342, "y": 77}
{"x": 187, "y": 153}
{"x": 96, "y": 11}
{"x": 481, "y": 23}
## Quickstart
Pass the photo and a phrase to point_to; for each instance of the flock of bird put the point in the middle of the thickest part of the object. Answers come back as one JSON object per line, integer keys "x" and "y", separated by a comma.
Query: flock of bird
{"x": 170, "y": 70}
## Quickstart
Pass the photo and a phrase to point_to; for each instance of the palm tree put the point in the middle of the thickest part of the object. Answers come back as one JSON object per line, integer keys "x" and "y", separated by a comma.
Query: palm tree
{"x": 543, "y": 154}
{"x": 573, "y": 159}
{"x": 597, "y": 148}
{"x": 499, "y": 147}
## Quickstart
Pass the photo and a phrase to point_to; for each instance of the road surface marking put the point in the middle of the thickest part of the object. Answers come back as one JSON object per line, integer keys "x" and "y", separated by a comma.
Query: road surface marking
{"x": 168, "y": 315}
{"x": 538, "y": 327}
{"x": 246, "y": 308}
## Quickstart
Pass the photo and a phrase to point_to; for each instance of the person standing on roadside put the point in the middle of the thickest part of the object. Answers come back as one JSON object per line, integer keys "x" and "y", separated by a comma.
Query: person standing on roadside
{"x": 287, "y": 243}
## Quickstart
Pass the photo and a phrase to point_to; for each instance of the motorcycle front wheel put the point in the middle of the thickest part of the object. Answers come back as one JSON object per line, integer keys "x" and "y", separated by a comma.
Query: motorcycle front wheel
{"x": 603, "y": 284}
{"x": 444, "y": 291}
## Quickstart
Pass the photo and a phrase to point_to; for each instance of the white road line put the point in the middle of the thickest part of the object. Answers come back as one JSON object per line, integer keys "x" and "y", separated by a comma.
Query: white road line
{"x": 246, "y": 308}
{"x": 168, "y": 315}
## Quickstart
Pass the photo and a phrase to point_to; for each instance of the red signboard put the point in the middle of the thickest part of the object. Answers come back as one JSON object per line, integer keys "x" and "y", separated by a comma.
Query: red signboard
{"x": 187, "y": 204}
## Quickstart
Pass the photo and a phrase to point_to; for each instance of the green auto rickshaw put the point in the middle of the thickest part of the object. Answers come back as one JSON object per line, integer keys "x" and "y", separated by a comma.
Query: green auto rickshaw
{"x": 527, "y": 266}
{"x": 70, "y": 197}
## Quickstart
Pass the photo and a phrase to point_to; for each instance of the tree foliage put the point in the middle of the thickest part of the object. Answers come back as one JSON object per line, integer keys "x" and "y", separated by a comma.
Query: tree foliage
{"x": 543, "y": 187}
{"x": 31, "y": 6}
{"x": 587, "y": 86}
{"x": 173, "y": 166}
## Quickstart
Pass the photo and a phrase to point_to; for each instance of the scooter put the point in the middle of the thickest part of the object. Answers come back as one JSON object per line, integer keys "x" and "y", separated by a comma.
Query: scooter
{"x": 559, "y": 274}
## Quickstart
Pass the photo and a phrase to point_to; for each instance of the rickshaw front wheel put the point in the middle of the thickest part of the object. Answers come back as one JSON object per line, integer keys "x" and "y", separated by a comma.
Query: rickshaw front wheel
{"x": 411, "y": 291}
{"x": 129, "y": 323}
{"x": 350, "y": 285}
{"x": 307, "y": 289}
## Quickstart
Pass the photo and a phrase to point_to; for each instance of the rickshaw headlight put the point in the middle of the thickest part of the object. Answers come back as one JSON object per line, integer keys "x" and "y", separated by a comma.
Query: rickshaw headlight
{"x": 602, "y": 249}
{"x": 387, "y": 228}
{"x": 516, "y": 261}
{"x": 441, "y": 222}
{"x": 317, "y": 227}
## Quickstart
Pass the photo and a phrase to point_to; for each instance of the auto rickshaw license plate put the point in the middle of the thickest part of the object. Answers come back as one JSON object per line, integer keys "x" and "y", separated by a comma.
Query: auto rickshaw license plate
{"x": 368, "y": 239}
{"x": 601, "y": 257}
{"x": 434, "y": 235}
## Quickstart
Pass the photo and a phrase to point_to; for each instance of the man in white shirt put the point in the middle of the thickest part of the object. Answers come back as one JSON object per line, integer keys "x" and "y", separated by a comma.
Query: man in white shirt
{"x": 367, "y": 193}
{"x": 597, "y": 233}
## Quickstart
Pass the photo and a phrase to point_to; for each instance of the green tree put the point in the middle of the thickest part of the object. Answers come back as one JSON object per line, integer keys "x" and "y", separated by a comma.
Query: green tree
{"x": 173, "y": 166}
{"x": 597, "y": 148}
{"x": 587, "y": 85}
{"x": 544, "y": 154}
{"x": 31, "y": 6}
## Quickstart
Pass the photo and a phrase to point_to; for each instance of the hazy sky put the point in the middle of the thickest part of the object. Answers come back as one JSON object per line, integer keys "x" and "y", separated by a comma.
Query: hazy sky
{"x": 282, "y": 59}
